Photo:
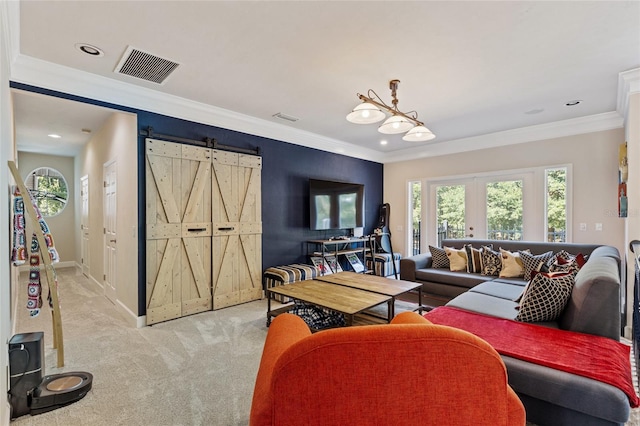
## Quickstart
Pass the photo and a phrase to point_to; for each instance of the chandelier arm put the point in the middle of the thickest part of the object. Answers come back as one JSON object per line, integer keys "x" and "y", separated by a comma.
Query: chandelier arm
{"x": 393, "y": 111}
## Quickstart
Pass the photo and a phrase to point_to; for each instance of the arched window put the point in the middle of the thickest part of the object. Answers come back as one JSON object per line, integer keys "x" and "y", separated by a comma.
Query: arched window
{"x": 49, "y": 188}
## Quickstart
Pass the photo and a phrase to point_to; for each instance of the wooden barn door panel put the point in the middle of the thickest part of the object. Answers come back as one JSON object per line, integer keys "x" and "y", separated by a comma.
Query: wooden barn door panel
{"x": 178, "y": 230}
{"x": 237, "y": 228}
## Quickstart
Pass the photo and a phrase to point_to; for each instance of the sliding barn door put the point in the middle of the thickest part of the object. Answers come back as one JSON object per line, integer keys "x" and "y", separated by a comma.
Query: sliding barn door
{"x": 178, "y": 183}
{"x": 237, "y": 228}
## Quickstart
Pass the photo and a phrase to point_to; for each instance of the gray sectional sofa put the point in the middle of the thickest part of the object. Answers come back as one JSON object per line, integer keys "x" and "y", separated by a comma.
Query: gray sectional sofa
{"x": 551, "y": 397}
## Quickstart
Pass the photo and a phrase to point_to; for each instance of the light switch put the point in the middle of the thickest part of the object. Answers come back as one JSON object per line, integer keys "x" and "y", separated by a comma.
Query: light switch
{"x": 598, "y": 227}
{"x": 583, "y": 226}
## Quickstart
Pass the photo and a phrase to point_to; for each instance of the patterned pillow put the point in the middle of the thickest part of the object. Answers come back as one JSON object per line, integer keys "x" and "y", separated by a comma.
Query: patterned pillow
{"x": 533, "y": 262}
{"x": 512, "y": 266}
{"x": 457, "y": 259}
{"x": 491, "y": 261}
{"x": 545, "y": 297}
{"x": 439, "y": 257}
{"x": 474, "y": 259}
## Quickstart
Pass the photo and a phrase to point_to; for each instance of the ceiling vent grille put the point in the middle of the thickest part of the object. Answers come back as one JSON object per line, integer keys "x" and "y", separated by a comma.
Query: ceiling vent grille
{"x": 143, "y": 65}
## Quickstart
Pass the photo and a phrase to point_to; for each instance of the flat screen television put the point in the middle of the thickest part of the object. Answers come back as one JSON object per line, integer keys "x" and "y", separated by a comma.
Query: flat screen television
{"x": 335, "y": 205}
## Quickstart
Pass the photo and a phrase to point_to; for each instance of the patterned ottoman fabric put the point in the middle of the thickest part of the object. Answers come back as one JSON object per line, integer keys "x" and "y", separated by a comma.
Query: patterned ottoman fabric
{"x": 287, "y": 274}
{"x": 383, "y": 266}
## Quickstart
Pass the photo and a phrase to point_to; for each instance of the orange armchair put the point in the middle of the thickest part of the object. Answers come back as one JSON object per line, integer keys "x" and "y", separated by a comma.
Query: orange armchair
{"x": 409, "y": 372}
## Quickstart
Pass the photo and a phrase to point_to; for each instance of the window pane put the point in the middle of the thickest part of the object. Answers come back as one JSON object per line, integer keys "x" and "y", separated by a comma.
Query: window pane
{"x": 416, "y": 215}
{"x": 556, "y": 193}
{"x": 504, "y": 210}
{"x": 49, "y": 189}
{"x": 450, "y": 212}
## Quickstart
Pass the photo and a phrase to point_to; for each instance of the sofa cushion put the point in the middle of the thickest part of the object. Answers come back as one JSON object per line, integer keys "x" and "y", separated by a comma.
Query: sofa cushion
{"x": 512, "y": 265}
{"x": 534, "y": 262}
{"x": 439, "y": 257}
{"x": 457, "y": 259}
{"x": 445, "y": 276}
{"x": 485, "y": 304}
{"x": 568, "y": 390}
{"x": 491, "y": 261}
{"x": 500, "y": 289}
{"x": 545, "y": 297}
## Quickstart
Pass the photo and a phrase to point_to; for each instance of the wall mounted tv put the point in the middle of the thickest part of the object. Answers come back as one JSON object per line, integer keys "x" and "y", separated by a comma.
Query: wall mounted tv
{"x": 335, "y": 205}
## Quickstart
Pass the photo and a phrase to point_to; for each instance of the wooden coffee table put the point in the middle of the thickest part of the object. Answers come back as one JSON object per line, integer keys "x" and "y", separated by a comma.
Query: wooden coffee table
{"x": 375, "y": 284}
{"x": 346, "y": 300}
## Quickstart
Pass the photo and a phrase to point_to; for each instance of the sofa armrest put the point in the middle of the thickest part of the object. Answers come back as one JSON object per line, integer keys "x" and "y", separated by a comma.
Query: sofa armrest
{"x": 284, "y": 331}
{"x": 409, "y": 265}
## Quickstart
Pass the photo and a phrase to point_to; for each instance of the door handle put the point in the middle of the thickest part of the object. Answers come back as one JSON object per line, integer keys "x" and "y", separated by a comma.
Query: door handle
{"x": 228, "y": 228}
{"x": 196, "y": 229}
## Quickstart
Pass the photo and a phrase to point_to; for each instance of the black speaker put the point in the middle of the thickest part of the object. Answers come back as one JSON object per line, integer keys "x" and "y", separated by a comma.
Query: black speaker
{"x": 25, "y": 370}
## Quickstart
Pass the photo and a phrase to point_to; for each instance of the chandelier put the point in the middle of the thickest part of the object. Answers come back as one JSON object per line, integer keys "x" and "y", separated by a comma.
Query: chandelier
{"x": 371, "y": 111}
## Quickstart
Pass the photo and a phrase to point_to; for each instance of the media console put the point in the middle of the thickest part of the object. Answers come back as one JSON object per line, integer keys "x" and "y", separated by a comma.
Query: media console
{"x": 354, "y": 249}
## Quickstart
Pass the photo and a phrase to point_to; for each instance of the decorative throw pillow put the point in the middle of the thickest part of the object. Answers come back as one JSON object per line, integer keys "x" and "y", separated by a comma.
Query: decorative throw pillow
{"x": 534, "y": 262}
{"x": 512, "y": 266}
{"x": 545, "y": 297}
{"x": 457, "y": 259}
{"x": 491, "y": 261}
{"x": 439, "y": 257}
{"x": 474, "y": 259}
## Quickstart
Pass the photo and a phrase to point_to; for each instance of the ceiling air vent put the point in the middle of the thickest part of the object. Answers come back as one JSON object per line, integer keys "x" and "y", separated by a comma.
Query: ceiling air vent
{"x": 141, "y": 64}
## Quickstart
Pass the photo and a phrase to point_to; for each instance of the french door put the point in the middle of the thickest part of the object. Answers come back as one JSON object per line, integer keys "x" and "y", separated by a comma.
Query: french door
{"x": 479, "y": 207}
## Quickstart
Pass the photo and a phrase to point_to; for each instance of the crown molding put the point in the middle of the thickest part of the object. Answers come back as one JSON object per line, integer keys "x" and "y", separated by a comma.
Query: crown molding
{"x": 628, "y": 84}
{"x": 56, "y": 77}
{"x": 47, "y": 75}
{"x": 574, "y": 126}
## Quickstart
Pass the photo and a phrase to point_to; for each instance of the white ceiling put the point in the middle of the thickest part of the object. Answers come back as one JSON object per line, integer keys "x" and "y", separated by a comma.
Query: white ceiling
{"x": 467, "y": 68}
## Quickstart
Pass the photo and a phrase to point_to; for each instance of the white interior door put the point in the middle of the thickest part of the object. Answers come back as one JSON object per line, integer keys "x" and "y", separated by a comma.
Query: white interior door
{"x": 110, "y": 248}
{"x": 84, "y": 225}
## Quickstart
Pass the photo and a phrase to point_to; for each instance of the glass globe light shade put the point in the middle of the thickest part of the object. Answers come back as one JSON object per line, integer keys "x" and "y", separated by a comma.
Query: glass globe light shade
{"x": 418, "y": 134}
{"x": 365, "y": 113}
{"x": 395, "y": 124}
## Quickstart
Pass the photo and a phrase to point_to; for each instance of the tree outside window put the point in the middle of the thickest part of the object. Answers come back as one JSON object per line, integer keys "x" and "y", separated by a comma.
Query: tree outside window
{"x": 49, "y": 189}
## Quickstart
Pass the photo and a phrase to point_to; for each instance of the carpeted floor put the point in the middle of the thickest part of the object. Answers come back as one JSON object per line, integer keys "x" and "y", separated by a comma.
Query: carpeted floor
{"x": 197, "y": 370}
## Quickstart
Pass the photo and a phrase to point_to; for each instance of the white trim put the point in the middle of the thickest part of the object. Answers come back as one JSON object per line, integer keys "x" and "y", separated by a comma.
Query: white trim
{"x": 574, "y": 126}
{"x": 628, "y": 83}
{"x": 51, "y": 76}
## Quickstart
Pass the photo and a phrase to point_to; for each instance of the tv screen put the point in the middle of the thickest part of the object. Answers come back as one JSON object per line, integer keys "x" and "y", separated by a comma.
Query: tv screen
{"x": 335, "y": 205}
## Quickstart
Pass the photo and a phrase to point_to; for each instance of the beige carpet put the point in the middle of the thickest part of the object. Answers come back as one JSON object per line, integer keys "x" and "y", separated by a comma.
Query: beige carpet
{"x": 197, "y": 370}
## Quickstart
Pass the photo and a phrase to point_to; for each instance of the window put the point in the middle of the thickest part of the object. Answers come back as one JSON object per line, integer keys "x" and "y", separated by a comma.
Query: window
{"x": 556, "y": 204}
{"x": 49, "y": 190}
{"x": 524, "y": 204}
{"x": 415, "y": 191}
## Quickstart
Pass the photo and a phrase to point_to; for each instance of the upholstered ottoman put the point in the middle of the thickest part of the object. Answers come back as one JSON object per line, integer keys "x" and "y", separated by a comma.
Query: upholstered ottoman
{"x": 287, "y": 274}
{"x": 383, "y": 266}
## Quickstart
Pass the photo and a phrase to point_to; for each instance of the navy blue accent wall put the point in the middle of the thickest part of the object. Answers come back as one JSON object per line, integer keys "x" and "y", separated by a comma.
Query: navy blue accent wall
{"x": 286, "y": 169}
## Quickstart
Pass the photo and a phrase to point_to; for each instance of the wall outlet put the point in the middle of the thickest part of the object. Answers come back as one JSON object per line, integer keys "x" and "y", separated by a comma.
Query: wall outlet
{"x": 583, "y": 226}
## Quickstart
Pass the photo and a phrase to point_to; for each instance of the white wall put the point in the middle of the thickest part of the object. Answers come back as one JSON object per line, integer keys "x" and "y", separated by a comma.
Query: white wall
{"x": 594, "y": 159}
{"x": 62, "y": 226}
{"x": 115, "y": 141}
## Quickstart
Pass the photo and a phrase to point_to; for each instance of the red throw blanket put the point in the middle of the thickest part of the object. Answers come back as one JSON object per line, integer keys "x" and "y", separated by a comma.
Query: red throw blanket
{"x": 595, "y": 357}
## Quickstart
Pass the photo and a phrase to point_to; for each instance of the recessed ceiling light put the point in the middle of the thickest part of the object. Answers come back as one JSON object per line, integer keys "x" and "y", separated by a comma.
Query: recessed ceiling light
{"x": 54, "y": 136}
{"x": 573, "y": 103}
{"x": 89, "y": 49}
{"x": 383, "y": 142}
